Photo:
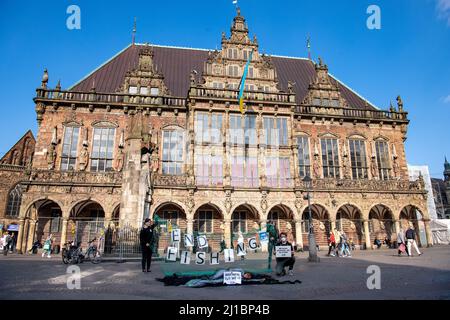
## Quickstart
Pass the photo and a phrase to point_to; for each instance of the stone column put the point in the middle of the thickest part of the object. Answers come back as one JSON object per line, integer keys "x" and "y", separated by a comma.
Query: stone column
{"x": 397, "y": 226}
{"x": 299, "y": 234}
{"x": 227, "y": 233}
{"x": 333, "y": 226}
{"x": 428, "y": 233}
{"x": 31, "y": 232}
{"x": 64, "y": 232}
{"x": 367, "y": 235}
{"x": 20, "y": 240}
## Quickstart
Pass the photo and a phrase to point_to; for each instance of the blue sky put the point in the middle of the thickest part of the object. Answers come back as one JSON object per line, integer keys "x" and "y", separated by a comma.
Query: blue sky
{"x": 409, "y": 55}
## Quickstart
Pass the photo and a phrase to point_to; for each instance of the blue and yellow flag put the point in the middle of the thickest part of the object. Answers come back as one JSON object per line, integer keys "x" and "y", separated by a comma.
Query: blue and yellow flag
{"x": 242, "y": 84}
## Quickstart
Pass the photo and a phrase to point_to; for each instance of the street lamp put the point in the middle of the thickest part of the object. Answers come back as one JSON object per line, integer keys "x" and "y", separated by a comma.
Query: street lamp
{"x": 311, "y": 239}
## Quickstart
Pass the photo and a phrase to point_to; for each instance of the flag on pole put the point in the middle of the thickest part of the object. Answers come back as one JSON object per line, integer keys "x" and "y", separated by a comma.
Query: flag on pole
{"x": 242, "y": 84}
{"x": 308, "y": 45}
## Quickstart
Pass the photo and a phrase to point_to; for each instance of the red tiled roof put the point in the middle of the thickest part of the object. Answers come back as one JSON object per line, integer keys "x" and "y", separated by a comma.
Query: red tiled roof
{"x": 176, "y": 65}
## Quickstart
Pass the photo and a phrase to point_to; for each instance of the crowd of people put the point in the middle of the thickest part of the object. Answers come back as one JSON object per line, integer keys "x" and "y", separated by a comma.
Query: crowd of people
{"x": 405, "y": 242}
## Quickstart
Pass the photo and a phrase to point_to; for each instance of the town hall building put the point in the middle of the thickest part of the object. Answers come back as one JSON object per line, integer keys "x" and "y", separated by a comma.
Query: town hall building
{"x": 158, "y": 130}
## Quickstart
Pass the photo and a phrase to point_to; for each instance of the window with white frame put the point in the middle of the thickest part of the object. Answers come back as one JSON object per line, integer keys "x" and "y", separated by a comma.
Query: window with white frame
{"x": 233, "y": 71}
{"x": 154, "y": 91}
{"x": 208, "y": 128}
{"x": 144, "y": 91}
{"x": 208, "y": 170}
{"x": 102, "y": 149}
{"x": 382, "y": 153}
{"x": 304, "y": 159}
{"x": 172, "y": 154}
{"x": 69, "y": 148}
{"x": 330, "y": 157}
{"x": 358, "y": 158}
{"x": 133, "y": 90}
{"x": 278, "y": 172}
{"x": 275, "y": 131}
{"x": 244, "y": 171}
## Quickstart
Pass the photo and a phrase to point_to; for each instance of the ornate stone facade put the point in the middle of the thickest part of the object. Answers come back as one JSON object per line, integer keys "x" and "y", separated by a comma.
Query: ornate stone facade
{"x": 181, "y": 156}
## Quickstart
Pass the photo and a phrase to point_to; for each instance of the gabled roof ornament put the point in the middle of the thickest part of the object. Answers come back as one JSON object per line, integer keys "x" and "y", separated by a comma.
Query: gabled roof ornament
{"x": 400, "y": 104}
{"x": 44, "y": 79}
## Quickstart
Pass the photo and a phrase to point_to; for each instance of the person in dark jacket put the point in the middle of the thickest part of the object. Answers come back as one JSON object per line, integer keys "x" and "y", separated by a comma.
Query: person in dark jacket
{"x": 282, "y": 263}
{"x": 146, "y": 239}
{"x": 411, "y": 241}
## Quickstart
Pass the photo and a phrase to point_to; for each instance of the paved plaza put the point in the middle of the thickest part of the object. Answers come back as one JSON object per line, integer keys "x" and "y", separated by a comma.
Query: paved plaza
{"x": 424, "y": 277}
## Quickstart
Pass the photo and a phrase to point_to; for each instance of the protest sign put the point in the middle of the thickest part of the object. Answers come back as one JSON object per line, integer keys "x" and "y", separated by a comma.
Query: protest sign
{"x": 171, "y": 254}
{"x": 188, "y": 240}
{"x": 241, "y": 249}
{"x": 176, "y": 235}
{"x": 232, "y": 277}
{"x": 283, "y": 251}
{"x": 214, "y": 258}
{"x": 252, "y": 243}
{"x": 229, "y": 255}
{"x": 202, "y": 242}
{"x": 263, "y": 238}
{"x": 200, "y": 258}
{"x": 185, "y": 257}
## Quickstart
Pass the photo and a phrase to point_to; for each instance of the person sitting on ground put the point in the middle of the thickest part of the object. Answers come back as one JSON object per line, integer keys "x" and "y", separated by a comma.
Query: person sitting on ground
{"x": 377, "y": 243}
{"x": 282, "y": 263}
{"x": 387, "y": 242}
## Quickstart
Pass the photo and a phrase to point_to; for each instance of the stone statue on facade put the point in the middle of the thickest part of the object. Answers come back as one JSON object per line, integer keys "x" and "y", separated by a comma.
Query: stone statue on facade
{"x": 396, "y": 168}
{"x": 316, "y": 167}
{"x": 373, "y": 168}
{"x": 120, "y": 159}
{"x": 83, "y": 158}
{"x": 51, "y": 156}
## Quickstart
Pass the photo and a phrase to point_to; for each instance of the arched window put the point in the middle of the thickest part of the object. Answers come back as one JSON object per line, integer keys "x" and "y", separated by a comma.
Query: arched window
{"x": 14, "y": 201}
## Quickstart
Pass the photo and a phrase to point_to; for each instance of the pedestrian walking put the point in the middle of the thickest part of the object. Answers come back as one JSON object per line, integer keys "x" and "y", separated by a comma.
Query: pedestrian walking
{"x": 47, "y": 249}
{"x": 411, "y": 241}
{"x": 401, "y": 244}
{"x": 345, "y": 251}
{"x": 6, "y": 239}
{"x": 146, "y": 238}
{"x": 331, "y": 244}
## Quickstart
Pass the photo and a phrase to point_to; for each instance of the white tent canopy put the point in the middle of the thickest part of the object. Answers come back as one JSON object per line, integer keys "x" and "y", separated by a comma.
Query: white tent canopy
{"x": 440, "y": 230}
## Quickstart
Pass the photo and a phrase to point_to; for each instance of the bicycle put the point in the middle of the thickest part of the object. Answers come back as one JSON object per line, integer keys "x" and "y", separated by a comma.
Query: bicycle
{"x": 74, "y": 254}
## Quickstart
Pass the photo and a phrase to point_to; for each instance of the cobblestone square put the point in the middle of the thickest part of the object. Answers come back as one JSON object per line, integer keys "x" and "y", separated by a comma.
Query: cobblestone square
{"x": 424, "y": 277}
